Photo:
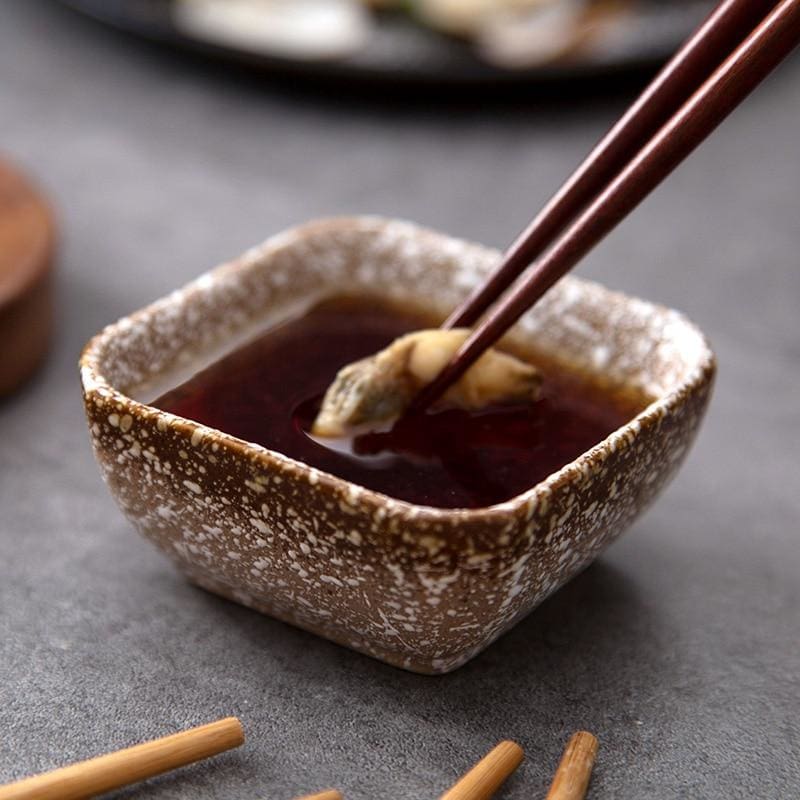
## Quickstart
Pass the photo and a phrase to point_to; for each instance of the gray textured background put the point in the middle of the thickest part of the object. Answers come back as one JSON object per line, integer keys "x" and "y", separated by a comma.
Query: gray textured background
{"x": 679, "y": 648}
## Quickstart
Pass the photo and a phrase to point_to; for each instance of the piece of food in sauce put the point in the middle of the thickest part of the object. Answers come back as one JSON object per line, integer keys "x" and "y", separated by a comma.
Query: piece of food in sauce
{"x": 380, "y": 388}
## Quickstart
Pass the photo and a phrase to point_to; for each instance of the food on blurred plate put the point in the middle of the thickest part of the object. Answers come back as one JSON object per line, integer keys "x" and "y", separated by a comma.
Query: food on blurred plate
{"x": 468, "y": 17}
{"x": 553, "y": 31}
{"x": 303, "y": 29}
{"x": 511, "y": 34}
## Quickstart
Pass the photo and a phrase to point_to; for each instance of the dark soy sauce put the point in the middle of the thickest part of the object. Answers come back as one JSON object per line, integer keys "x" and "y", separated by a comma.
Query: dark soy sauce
{"x": 268, "y": 392}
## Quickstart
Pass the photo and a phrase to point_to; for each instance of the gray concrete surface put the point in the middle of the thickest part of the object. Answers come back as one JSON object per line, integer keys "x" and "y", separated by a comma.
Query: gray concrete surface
{"x": 679, "y": 648}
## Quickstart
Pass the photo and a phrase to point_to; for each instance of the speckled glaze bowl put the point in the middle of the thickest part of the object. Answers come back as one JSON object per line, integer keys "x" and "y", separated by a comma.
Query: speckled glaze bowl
{"x": 421, "y": 588}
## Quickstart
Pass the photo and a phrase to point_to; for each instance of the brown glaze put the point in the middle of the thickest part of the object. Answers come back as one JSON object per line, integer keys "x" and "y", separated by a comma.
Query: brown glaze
{"x": 425, "y": 589}
{"x": 26, "y": 255}
{"x": 450, "y": 458}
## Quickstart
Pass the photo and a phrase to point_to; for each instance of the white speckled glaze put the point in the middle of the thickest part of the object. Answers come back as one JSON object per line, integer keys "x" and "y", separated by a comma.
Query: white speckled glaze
{"x": 421, "y": 588}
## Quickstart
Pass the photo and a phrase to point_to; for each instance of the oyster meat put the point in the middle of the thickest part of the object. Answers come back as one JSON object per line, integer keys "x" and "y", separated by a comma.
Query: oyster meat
{"x": 379, "y": 388}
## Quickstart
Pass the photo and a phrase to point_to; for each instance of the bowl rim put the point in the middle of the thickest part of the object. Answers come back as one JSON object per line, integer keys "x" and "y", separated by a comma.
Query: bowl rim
{"x": 96, "y": 387}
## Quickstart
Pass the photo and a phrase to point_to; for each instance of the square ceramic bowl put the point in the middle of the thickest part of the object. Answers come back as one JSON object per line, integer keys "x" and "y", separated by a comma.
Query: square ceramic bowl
{"x": 422, "y": 588}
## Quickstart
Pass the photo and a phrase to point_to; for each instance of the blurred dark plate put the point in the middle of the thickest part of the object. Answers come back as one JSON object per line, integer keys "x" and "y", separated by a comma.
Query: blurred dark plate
{"x": 402, "y": 52}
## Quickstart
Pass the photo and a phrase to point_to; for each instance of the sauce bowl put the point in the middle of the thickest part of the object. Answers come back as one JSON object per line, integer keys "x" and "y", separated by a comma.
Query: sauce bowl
{"x": 421, "y": 588}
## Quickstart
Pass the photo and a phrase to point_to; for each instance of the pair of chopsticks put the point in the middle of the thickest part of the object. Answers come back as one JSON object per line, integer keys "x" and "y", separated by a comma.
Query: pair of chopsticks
{"x": 713, "y": 72}
{"x": 124, "y": 767}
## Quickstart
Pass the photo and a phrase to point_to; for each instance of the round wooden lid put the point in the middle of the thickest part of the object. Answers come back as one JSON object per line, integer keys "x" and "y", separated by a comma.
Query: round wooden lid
{"x": 27, "y": 238}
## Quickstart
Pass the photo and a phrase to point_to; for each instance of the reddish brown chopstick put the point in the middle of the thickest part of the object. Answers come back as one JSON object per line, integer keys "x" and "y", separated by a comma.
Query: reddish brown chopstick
{"x": 115, "y": 770}
{"x": 772, "y": 40}
{"x": 331, "y": 794}
{"x": 726, "y": 27}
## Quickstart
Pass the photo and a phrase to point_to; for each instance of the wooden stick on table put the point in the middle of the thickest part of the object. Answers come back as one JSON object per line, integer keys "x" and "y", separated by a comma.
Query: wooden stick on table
{"x": 488, "y": 775}
{"x": 331, "y": 794}
{"x": 115, "y": 770}
{"x": 571, "y": 780}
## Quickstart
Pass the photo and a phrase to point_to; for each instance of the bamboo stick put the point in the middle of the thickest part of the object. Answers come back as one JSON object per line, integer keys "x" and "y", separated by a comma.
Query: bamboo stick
{"x": 488, "y": 775}
{"x": 571, "y": 780}
{"x": 331, "y": 794}
{"x": 115, "y": 770}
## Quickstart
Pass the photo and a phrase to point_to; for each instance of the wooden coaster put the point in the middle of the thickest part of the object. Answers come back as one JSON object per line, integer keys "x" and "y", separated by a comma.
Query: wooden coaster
{"x": 27, "y": 240}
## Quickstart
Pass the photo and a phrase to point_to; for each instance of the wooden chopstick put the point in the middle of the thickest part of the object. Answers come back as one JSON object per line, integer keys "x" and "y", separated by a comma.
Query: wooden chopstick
{"x": 771, "y": 41}
{"x": 571, "y": 780}
{"x": 331, "y": 794}
{"x": 726, "y": 27}
{"x": 488, "y": 775}
{"x": 703, "y": 51}
{"x": 115, "y": 770}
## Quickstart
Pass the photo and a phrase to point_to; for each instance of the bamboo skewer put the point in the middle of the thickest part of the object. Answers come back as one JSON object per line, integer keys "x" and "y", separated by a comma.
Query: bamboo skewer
{"x": 488, "y": 775}
{"x": 331, "y": 794}
{"x": 133, "y": 764}
{"x": 571, "y": 780}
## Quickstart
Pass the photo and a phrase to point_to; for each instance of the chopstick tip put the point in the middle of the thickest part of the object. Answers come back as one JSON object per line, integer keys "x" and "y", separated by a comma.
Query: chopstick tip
{"x": 512, "y": 748}
{"x": 233, "y": 728}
